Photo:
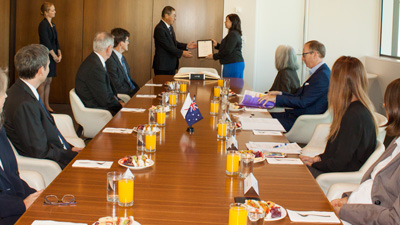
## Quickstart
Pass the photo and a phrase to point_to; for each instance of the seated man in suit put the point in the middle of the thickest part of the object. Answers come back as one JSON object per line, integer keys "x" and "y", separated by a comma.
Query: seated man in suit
{"x": 15, "y": 194}
{"x": 117, "y": 68}
{"x": 312, "y": 97}
{"x": 92, "y": 84}
{"x": 29, "y": 126}
{"x": 168, "y": 49}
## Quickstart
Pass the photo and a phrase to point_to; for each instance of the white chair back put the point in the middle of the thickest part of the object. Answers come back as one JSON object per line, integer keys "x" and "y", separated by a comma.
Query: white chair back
{"x": 34, "y": 179}
{"x": 66, "y": 128}
{"x": 381, "y": 120}
{"x": 92, "y": 120}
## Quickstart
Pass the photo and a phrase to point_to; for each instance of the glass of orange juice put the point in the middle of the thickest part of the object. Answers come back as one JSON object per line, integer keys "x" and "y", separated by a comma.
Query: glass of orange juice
{"x": 214, "y": 107}
{"x": 150, "y": 141}
{"x": 172, "y": 98}
{"x": 217, "y": 91}
{"x": 232, "y": 163}
{"x": 237, "y": 214}
{"x": 126, "y": 191}
{"x": 222, "y": 129}
{"x": 183, "y": 87}
{"x": 161, "y": 116}
{"x": 220, "y": 82}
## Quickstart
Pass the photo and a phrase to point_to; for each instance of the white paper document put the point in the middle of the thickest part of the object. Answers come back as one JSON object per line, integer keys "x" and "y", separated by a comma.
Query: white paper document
{"x": 313, "y": 216}
{"x": 249, "y": 109}
{"x": 153, "y": 85}
{"x": 117, "y": 130}
{"x": 139, "y": 110}
{"x": 50, "y": 222}
{"x": 265, "y": 132}
{"x": 204, "y": 48}
{"x": 146, "y": 96}
{"x": 292, "y": 161}
{"x": 261, "y": 124}
{"x": 288, "y": 148}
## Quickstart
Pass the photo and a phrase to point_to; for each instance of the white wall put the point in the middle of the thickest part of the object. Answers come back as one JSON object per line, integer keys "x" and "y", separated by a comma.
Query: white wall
{"x": 247, "y": 13}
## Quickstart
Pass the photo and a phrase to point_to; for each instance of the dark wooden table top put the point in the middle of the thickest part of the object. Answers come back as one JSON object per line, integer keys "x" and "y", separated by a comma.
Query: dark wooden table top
{"x": 187, "y": 184}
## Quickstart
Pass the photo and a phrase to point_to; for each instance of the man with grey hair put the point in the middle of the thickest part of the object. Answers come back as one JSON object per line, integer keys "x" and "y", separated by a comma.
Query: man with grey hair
{"x": 92, "y": 84}
{"x": 29, "y": 126}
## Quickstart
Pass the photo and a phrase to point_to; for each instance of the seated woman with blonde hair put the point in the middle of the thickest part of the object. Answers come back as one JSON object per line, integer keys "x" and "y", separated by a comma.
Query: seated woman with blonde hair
{"x": 352, "y": 135}
{"x": 286, "y": 63}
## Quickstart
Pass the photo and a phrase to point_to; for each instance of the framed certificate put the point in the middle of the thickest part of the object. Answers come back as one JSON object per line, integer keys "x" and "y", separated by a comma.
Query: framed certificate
{"x": 204, "y": 48}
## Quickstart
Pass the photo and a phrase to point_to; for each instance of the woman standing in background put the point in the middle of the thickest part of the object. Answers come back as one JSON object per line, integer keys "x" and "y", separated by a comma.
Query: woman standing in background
{"x": 48, "y": 37}
{"x": 230, "y": 49}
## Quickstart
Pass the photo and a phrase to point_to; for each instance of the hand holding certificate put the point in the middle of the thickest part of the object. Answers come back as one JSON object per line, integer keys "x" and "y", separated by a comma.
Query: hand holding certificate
{"x": 204, "y": 48}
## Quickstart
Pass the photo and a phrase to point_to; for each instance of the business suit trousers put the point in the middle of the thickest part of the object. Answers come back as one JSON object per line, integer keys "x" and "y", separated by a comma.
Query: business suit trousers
{"x": 164, "y": 72}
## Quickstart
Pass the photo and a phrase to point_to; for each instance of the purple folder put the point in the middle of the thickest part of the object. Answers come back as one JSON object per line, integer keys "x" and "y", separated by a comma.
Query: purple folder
{"x": 252, "y": 102}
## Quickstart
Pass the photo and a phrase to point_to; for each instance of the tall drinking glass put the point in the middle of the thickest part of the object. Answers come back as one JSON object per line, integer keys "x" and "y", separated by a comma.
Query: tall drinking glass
{"x": 217, "y": 91}
{"x": 152, "y": 116}
{"x": 161, "y": 116}
{"x": 183, "y": 87}
{"x": 172, "y": 98}
{"x": 140, "y": 146}
{"x": 222, "y": 129}
{"x": 246, "y": 164}
{"x": 220, "y": 82}
{"x": 112, "y": 186}
{"x": 214, "y": 107}
{"x": 150, "y": 140}
{"x": 126, "y": 191}
{"x": 237, "y": 214}
{"x": 232, "y": 163}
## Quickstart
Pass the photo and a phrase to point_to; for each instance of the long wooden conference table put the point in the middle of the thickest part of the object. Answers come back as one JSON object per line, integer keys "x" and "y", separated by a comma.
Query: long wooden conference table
{"x": 187, "y": 184}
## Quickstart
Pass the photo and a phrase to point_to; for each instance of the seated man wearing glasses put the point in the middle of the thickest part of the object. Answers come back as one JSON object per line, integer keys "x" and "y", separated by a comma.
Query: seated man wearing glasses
{"x": 312, "y": 97}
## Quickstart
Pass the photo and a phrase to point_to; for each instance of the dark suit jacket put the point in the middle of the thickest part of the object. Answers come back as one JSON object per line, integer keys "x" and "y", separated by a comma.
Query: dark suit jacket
{"x": 168, "y": 49}
{"x": 385, "y": 195}
{"x": 116, "y": 72}
{"x": 312, "y": 97}
{"x": 93, "y": 86}
{"x": 48, "y": 37}
{"x": 230, "y": 49}
{"x": 13, "y": 190}
{"x": 286, "y": 81}
{"x": 31, "y": 128}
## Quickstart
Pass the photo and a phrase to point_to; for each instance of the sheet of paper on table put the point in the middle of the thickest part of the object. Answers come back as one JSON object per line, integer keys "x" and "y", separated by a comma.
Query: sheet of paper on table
{"x": 114, "y": 130}
{"x": 288, "y": 148}
{"x": 313, "y": 216}
{"x": 292, "y": 161}
{"x": 261, "y": 124}
{"x": 265, "y": 132}
{"x": 139, "y": 110}
{"x": 50, "y": 222}
{"x": 146, "y": 96}
{"x": 153, "y": 85}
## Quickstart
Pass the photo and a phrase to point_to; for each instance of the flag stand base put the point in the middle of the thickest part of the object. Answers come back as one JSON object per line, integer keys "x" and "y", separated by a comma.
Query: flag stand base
{"x": 190, "y": 130}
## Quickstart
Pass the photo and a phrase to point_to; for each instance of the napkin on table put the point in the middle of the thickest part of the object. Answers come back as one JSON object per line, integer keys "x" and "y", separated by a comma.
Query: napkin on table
{"x": 146, "y": 96}
{"x": 312, "y": 218}
{"x": 50, "y": 222}
{"x": 153, "y": 85}
{"x": 293, "y": 161}
{"x": 117, "y": 130}
{"x": 132, "y": 110}
{"x": 93, "y": 164}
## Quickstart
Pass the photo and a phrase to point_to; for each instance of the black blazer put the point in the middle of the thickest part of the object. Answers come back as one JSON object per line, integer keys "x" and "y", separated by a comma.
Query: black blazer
{"x": 230, "y": 49}
{"x": 116, "y": 72}
{"x": 168, "y": 49}
{"x": 93, "y": 86}
{"x": 31, "y": 128}
{"x": 286, "y": 81}
{"x": 48, "y": 37}
{"x": 13, "y": 190}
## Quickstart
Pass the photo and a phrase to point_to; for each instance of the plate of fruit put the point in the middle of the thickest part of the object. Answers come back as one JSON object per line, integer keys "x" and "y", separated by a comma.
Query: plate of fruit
{"x": 108, "y": 220}
{"x": 235, "y": 107}
{"x": 258, "y": 155}
{"x": 231, "y": 93}
{"x": 272, "y": 210}
{"x": 136, "y": 162}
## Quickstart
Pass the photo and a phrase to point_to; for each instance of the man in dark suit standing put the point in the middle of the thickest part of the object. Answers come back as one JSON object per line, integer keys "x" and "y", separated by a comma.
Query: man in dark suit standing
{"x": 117, "y": 67}
{"x": 29, "y": 126}
{"x": 312, "y": 97}
{"x": 168, "y": 49}
{"x": 92, "y": 84}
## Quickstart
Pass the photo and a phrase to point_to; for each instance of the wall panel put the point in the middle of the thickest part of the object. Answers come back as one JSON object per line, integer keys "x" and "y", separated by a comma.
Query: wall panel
{"x": 4, "y": 35}
{"x": 134, "y": 16}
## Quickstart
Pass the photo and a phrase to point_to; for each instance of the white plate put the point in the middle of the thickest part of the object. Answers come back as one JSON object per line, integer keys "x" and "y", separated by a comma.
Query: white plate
{"x": 259, "y": 159}
{"x": 236, "y": 110}
{"x": 283, "y": 215}
{"x": 156, "y": 129}
{"x": 136, "y": 167}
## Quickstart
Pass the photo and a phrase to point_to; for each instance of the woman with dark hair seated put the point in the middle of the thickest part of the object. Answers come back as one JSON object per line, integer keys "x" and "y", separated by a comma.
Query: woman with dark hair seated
{"x": 286, "y": 63}
{"x": 352, "y": 135}
{"x": 377, "y": 199}
{"x": 15, "y": 195}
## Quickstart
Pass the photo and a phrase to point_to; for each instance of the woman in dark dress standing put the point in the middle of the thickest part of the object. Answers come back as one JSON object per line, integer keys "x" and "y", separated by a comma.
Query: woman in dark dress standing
{"x": 230, "y": 49}
{"x": 48, "y": 37}
{"x": 352, "y": 135}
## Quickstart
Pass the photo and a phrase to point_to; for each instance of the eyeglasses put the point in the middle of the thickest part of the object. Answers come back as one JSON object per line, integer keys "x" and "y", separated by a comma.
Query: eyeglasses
{"x": 305, "y": 53}
{"x": 127, "y": 41}
{"x": 67, "y": 199}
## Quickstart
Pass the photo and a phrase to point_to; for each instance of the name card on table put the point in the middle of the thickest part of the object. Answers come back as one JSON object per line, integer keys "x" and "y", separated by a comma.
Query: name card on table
{"x": 251, "y": 185}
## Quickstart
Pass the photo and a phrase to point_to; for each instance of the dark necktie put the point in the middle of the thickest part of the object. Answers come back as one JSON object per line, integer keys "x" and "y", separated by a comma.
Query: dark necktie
{"x": 170, "y": 30}
{"x": 63, "y": 141}
{"x": 126, "y": 73}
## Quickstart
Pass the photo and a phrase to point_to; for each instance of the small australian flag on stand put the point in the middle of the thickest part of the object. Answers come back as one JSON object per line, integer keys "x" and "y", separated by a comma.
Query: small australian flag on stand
{"x": 191, "y": 112}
